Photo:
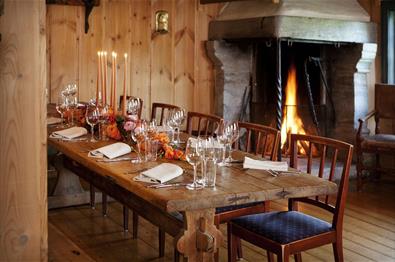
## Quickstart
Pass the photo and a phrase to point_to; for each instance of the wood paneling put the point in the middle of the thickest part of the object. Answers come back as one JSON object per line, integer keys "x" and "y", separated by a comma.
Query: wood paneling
{"x": 23, "y": 181}
{"x": 170, "y": 68}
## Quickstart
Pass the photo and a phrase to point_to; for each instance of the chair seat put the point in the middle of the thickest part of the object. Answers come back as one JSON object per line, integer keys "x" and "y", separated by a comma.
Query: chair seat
{"x": 219, "y": 210}
{"x": 386, "y": 141}
{"x": 283, "y": 227}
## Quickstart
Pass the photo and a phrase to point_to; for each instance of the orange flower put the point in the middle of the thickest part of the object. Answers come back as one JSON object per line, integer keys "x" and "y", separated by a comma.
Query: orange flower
{"x": 169, "y": 153}
{"x": 113, "y": 132}
{"x": 178, "y": 154}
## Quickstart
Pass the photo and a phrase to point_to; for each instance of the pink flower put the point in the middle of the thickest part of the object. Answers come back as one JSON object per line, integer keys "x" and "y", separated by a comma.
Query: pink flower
{"x": 132, "y": 118}
{"x": 129, "y": 125}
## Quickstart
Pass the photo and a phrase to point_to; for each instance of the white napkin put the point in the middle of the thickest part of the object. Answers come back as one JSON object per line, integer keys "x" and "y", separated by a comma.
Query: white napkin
{"x": 53, "y": 120}
{"x": 265, "y": 165}
{"x": 69, "y": 133}
{"x": 111, "y": 151}
{"x": 160, "y": 174}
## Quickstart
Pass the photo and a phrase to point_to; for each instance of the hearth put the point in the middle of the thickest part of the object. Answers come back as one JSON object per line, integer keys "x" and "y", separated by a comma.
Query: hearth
{"x": 258, "y": 47}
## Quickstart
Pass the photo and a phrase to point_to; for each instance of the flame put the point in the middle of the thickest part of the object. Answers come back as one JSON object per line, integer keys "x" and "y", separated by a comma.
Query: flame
{"x": 292, "y": 123}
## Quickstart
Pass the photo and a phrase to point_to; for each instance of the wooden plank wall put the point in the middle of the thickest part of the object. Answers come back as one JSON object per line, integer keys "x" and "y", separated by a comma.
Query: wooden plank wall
{"x": 170, "y": 68}
{"x": 23, "y": 180}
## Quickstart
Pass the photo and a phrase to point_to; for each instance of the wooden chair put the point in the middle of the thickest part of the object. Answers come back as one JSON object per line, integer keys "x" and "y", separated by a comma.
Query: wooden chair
{"x": 379, "y": 143}
{"x": 291, "y": 232}
{"x": 265, "y": 141}
{"x": 127, "y": 98}
{"x": 164, "y": 108}
{"x": 202, "y": 124}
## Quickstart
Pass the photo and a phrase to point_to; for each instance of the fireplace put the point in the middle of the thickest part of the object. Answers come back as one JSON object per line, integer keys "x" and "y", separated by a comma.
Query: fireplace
{"x": 265, "y": 52}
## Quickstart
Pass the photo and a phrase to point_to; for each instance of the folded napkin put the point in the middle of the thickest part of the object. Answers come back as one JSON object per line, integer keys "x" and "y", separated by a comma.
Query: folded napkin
{"x": 265, "y": 165}
{"x": 160, "y": 174}
{"x": 111, "y": 151}
{"x": 53, "y": 120}
{"x": 69, "y": 133}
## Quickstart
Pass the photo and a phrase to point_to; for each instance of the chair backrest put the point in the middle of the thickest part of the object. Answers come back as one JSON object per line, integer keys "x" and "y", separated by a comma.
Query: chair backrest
{"x": 259, "y": 139}
{"x": 163, "y": 108}
{"x": 328, "y": 149}
{"x": 384, "y": 100}
{"x": 127, "y": 98}
{"x": 202, "y": 124}
{"x": 384, "y": 103}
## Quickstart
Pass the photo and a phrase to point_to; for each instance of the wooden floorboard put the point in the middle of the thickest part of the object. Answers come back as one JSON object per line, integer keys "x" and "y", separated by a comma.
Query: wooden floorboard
{"x": 83, "y": 234}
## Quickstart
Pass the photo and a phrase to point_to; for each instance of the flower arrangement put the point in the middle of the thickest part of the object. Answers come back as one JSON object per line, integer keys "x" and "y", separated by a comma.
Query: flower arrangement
{"x": 120, "y": 128}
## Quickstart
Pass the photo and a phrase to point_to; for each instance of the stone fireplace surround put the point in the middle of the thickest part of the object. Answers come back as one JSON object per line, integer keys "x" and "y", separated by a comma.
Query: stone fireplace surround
{"x": 349, "y": 48}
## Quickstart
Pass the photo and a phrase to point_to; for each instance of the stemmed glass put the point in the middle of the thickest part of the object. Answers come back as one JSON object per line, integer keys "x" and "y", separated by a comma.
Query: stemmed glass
{"x": 92, "y": 117}
{"x": 133, "y": 106}
{"x": 72, "y": 103}
{"x": 179, "y": 117}
{"x": 139, "y": 136}
{"x": 233, "y": 132}
{"x": 176, "y": 117}
{"x": 227, "y": 134}
{"x": 192, "y": 154}
{"x": 61, "y": 108}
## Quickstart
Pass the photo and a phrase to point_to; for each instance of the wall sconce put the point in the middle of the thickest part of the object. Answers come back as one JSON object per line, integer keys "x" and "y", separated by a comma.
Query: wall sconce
{"x": 162, "y": 22}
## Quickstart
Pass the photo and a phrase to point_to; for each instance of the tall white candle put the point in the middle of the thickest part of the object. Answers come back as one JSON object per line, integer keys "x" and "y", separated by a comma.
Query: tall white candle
{"x": 124, "y": 85}
{"x": 105, "y": 79}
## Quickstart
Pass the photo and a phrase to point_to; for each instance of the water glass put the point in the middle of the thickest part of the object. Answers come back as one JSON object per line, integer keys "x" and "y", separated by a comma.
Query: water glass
{"x": 151, "y": 150}
{"x": 211, "y": 172}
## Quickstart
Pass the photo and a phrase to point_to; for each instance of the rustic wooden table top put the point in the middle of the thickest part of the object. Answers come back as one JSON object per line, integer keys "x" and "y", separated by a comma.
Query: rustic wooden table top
{"x": 234, "y": 185}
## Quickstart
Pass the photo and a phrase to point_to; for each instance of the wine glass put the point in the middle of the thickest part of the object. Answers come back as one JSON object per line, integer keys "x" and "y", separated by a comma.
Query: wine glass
{"x": 192, "y": 154}
{"x": 179, "y": 117}
{"x": 72, "y": 103}
{"x": 61, "y": 108}
{"x": 233, "y": 132}
{"x": 224, "y": 139}
{"x": 139, "y": 136}
{"x": 92, "y": 117}
{"x": 171, "y": 123}
{"x": 133, "y": 106}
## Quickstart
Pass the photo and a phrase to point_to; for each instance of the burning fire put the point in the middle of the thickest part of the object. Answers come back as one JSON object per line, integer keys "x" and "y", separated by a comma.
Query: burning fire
{"x": 292, "y": 123}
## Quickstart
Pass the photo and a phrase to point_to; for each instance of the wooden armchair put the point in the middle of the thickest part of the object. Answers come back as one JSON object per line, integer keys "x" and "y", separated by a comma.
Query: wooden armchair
{"x": 378, "y": 143}
{"x": 264, "y": 141}
{"x": 163, "y": 108}
{"x": 202, "y": 124}
{"x": 290, "y": 232}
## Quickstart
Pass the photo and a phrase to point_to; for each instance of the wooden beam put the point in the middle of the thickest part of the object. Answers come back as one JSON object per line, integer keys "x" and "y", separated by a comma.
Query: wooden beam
{"x": 23, "y": 135}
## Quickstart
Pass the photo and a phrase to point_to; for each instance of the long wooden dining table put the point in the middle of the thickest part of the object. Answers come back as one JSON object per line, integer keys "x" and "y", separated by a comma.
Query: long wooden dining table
{"x": 195, "y": 235}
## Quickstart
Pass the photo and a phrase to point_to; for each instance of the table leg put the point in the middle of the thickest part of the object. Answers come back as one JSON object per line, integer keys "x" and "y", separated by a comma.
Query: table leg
{"x": 201, "y": 238}
{"x": 68, "y": 190}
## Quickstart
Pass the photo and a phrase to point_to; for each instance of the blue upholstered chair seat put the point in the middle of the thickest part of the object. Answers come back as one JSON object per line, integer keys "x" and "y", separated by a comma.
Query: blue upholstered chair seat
{"x": 283, "y": 227}
{"x": 219, "y": 210}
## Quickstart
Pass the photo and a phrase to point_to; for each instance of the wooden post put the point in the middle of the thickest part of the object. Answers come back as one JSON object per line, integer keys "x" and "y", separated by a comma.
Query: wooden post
{"x": 201, "y": 237}
{"x": 23, "y": 150}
